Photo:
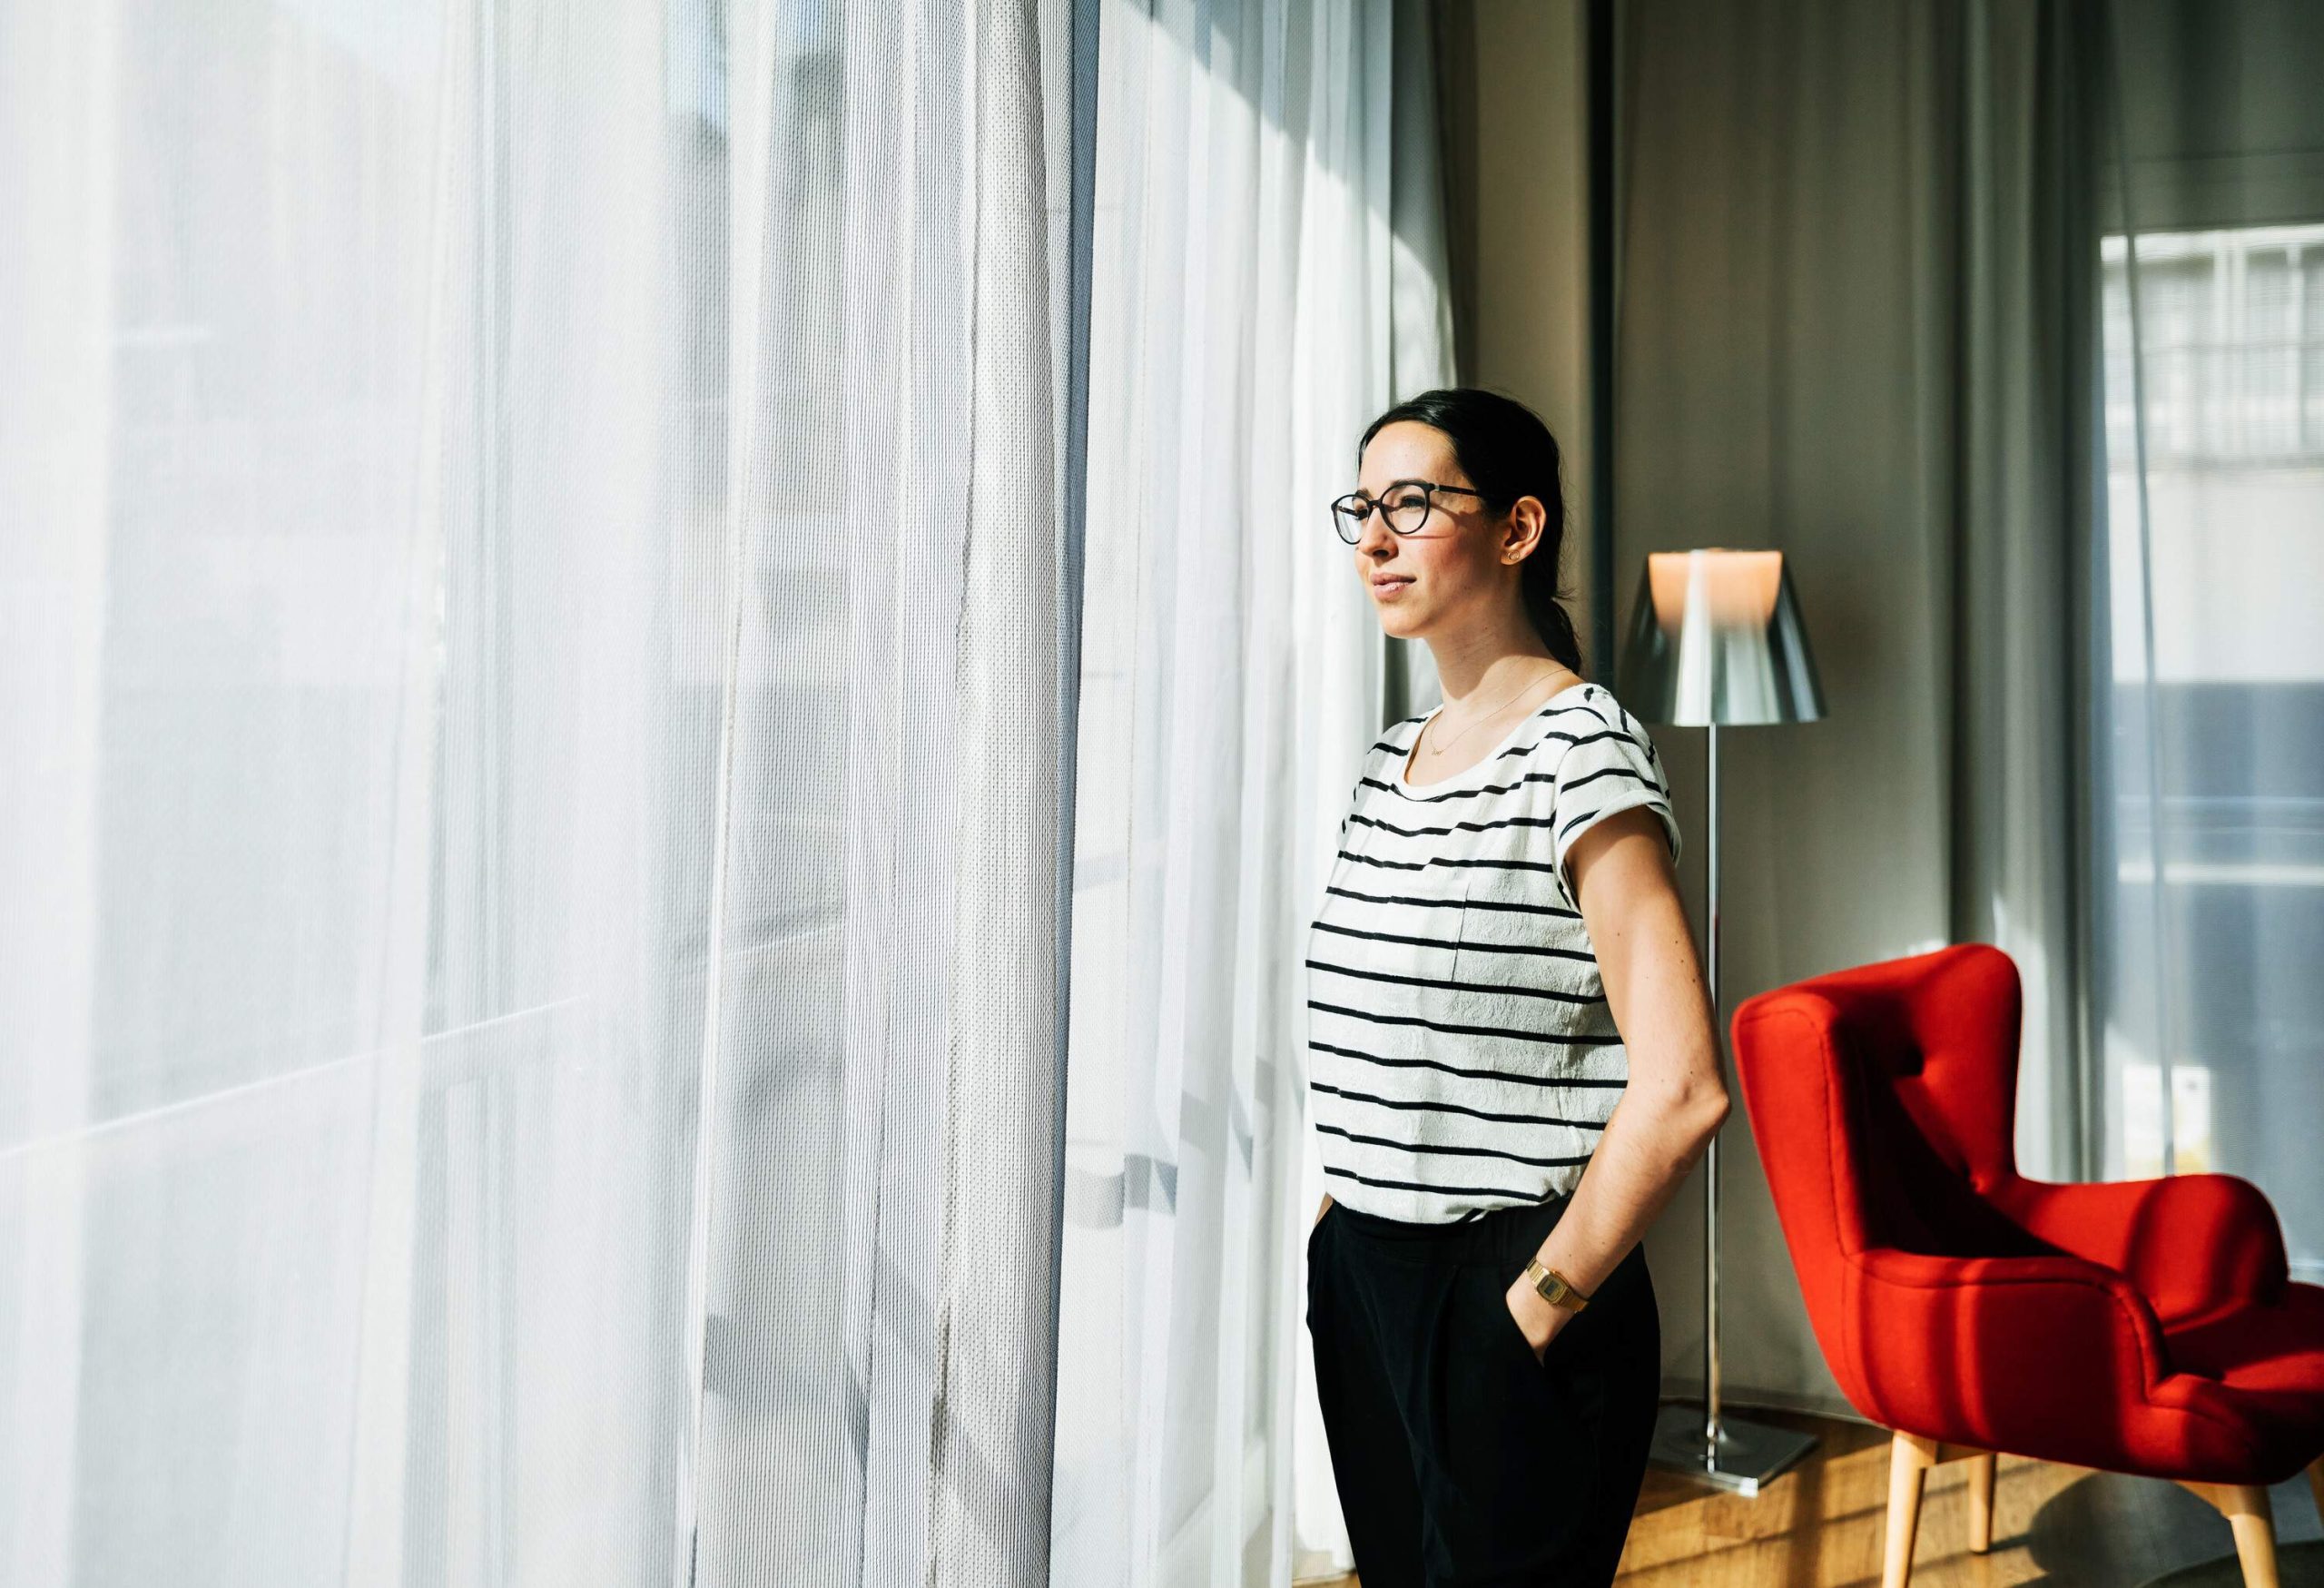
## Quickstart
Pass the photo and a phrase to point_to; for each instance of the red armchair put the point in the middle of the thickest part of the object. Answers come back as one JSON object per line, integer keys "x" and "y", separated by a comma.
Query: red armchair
{"x": 2143, "y": 1326}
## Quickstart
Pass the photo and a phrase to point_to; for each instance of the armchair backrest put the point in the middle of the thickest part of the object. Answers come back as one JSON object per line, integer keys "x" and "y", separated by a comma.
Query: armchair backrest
{"x": 1883, "y": 1101}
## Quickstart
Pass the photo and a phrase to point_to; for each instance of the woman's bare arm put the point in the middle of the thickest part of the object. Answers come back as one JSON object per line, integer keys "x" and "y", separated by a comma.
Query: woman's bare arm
{"x": 1676, "y": 1096}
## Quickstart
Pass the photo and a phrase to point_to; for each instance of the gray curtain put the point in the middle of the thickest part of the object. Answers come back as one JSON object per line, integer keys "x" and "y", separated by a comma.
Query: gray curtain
{"x": 1855, "y": 316}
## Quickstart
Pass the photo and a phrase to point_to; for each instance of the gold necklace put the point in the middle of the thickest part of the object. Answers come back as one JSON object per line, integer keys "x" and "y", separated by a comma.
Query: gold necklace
{"x": 1472, "y": 728}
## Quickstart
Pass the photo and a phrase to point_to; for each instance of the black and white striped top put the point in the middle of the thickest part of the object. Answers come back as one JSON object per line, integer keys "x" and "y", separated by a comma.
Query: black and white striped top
{"x": 1461, "y": 1053}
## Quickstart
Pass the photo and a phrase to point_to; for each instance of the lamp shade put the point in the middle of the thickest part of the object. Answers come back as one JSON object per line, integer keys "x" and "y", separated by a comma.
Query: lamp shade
{"x": 1716, "y": 637}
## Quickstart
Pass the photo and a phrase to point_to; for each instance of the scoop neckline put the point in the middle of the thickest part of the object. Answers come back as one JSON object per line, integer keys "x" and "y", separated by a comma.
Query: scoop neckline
{"x": 1484, "y": 762}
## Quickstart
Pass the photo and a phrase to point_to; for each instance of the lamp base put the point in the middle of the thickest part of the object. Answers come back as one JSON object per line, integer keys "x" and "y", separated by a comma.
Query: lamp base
{"x": 1746, "y": 1457}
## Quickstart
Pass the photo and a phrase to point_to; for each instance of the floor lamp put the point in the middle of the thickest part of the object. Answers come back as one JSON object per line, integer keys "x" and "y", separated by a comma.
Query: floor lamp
{"x": 1716, "y": 640}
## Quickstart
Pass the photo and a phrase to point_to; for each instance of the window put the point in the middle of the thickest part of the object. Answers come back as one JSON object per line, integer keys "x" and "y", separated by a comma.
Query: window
{"x": 2221, "y": 951}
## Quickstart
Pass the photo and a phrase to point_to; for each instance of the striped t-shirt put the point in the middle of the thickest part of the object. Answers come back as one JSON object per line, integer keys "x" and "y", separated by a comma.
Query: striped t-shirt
{"x": 1461, "y": 1053}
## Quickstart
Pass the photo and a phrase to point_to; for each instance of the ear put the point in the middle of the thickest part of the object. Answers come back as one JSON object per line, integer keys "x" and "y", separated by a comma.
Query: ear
{"x": 1527, "y": 519}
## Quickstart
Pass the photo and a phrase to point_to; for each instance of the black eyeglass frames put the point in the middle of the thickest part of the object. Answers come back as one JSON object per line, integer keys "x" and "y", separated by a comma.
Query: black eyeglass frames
{"x": 1406, "y": 506}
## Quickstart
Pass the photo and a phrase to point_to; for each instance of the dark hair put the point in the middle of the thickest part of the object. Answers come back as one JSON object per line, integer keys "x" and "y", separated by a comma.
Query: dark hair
{"x": 1507, "y": 452}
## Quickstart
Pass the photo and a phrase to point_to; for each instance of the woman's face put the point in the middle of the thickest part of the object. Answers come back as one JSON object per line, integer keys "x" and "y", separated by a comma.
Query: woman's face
{"x": 1419, "y": 581}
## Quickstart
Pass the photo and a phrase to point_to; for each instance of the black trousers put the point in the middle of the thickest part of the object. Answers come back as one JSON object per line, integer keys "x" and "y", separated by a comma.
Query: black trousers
{"x": 1462, "y": 1462}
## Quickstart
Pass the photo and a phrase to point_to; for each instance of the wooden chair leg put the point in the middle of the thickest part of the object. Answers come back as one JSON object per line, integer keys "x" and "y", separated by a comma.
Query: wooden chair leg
{"x": 1910, "y": 1458}
{"x": 2245, "y": 1506}
{"x": 1980, "y": 1502}
{"x": 2315, "y": 1485}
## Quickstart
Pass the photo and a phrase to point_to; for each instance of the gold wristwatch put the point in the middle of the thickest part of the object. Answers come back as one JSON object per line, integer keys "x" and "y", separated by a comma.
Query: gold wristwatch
{"x": 1555, "y": 1288}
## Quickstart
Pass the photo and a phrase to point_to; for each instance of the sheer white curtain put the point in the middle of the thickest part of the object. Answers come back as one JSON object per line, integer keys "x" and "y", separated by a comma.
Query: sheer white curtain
{"x": 1254, "y": 304}
{"x": 530, "y": 711}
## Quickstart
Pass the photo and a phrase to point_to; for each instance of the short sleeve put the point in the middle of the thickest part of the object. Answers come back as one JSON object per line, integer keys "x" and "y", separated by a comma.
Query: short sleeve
{"x": 1608, "y": 768}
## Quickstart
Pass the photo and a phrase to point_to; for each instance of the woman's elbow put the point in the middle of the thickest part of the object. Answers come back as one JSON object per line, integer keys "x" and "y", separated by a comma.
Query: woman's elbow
{"x": 1693, "y": 1111}
{"x": 1716, "y": 1105}
{"x": 1706, "y": 1108}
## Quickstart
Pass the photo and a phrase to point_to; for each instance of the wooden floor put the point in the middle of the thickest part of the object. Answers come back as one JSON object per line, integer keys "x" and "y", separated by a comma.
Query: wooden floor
{"x": 1819, "y": 1525}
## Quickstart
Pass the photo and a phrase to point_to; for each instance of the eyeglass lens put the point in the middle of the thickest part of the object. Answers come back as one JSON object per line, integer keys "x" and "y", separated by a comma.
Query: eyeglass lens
{"x": 1405, "y": 507}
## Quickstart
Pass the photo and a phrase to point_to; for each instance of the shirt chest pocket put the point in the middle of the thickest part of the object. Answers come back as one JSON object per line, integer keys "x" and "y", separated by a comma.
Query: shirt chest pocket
{"x": 1411, "y": 928}
{"x": 1409, "y": 908}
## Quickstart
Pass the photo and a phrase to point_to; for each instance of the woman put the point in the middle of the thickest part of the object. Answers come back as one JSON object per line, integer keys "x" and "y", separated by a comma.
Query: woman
{"x": 1502, "y": 959}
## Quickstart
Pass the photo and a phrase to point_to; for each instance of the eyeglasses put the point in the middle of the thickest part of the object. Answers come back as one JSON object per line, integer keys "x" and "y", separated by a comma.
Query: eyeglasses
{"x": 1406, "y": 507}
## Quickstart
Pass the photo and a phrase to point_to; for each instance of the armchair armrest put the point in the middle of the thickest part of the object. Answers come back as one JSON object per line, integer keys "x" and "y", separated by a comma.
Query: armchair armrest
{"x": 2190, "y": 1244}
{"x": 2040, "y": 1355}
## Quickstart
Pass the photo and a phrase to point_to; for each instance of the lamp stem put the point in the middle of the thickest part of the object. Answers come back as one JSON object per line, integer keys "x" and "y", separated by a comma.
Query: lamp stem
{"x": 1710, "y": 1156}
